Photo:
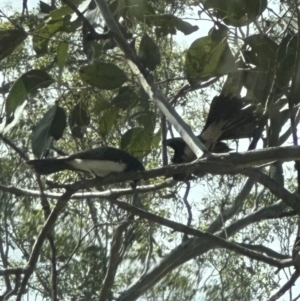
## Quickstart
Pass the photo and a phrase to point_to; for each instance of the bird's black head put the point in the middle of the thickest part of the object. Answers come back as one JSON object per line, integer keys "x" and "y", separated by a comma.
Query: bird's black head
{"x": 182, "y": 153}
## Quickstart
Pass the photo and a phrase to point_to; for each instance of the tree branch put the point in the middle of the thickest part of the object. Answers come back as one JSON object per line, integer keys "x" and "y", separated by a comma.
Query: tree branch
{"x": 147, "y": 81}
{"x": 195, "y": 247}
{"x": 47, "y": 228}
{"x": 286, "y": 287}
{"x": 114, "y": 261}
{"x": 116, "y": 193}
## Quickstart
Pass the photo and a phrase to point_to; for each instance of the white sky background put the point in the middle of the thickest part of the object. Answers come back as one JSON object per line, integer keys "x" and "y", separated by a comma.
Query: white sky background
{"x": 183, "y": 42}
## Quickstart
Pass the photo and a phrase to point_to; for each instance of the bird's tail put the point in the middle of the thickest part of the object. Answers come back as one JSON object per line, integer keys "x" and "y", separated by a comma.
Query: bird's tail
{"x": 48, "y": 166}
{"x": 230, "y": 118}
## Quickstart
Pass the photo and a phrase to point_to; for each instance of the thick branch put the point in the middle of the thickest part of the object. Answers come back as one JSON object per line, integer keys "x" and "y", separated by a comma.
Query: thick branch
{"x": 195, "y": 247}
{"x": 286, "y": 287}
{"x": 267, "y": 251}
{"x": 197, "y": 233}
{"x": 147, "y": 82}
{"x": 289, "y": 198}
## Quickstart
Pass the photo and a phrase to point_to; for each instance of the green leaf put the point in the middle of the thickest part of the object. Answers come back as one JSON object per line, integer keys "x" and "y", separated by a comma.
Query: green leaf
{"x": 108, "y": 120}
{"x": 103, "y": 75}
{"x": 169, "y": 24}
{"x": 59, "y": 13}
{"x": 149, "y": 52}
{"x": 62, "y": 54}
{"x": 27, "y": 83}
{"x": 144, "y": 99}
{"x": 208, "y": 57}
{"x": 184, "y": 26}
{"x": 79, "y": 118}
{"x": 101, "y": 105}
{"x": 51, "y": 125}
{"x": 43, "y": 34}
{"x": 126, "y": 98}
{"x": 10, "y": 39}
{"x": 64, "y": 10}
{"x": 156, "y": 138}
{"x": 59, "y": 123}
{"x": 263, "y": 52}
{"x": 147, "y": 119}
{"x": 236, "y": 12}
{"x": 137, "y": 141}
{"x": 139, "y": 9}
{"x": 45, "y": 8}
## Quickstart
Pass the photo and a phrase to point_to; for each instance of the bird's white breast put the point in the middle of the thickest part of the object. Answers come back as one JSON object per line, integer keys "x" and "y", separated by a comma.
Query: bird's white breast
{"x": 100, "y": 168}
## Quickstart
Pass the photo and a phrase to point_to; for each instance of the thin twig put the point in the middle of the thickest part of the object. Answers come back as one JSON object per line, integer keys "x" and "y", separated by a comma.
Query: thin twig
{"x": 188, "y": 207}
{"x": 286, "y": 287}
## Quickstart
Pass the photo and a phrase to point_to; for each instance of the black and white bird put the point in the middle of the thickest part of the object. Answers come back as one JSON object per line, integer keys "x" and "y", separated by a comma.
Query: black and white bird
{"x": 100, "y": 162}
{"x": 228, "y": 118}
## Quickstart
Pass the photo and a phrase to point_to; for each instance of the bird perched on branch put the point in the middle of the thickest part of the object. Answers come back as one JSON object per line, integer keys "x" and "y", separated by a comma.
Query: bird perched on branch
{"x": 100, "y": 162}
{"x": 228, "y": 118}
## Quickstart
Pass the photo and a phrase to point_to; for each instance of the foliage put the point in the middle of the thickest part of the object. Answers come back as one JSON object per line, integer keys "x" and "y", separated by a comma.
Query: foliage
{"x": 67, "y": 87}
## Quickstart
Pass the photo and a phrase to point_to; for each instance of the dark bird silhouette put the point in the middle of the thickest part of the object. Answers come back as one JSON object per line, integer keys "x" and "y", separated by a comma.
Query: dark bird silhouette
{"x": 228, "y": 118}
{"x": 100, "y": 162}
{"x": 296, "y": 250}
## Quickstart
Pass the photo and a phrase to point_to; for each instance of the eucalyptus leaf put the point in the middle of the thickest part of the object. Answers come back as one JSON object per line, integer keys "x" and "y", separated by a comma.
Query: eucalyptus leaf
{"x": 62, "y": 54}
{"x": 149, "y": 52}
{"x": 126, "y": 98}
{"x": 208, "y": 57}
{"x": 103, "y": 75}
{"x": 10, "y": 39}
{"x": 108, "y": 120}
{"x": 43, "y": 34}
{"x": 78, "y": 119}
{"x": 50, "y": 126}
{"x": 27, "y": 83}
{"x": 137, "y": 141}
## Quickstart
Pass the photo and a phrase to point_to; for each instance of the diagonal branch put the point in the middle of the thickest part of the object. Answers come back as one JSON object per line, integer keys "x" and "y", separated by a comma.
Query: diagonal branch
{"x": 286, "y": 287}
{"x": 195, "y": 247}
{"x": 114, "y": 261}
{"x": 289, "y": 198}
{"x": 266, "y": 250}
{"x": 236, "y": 206}
{"x": 218, "y": 241}
{"x": 147, "y": 81}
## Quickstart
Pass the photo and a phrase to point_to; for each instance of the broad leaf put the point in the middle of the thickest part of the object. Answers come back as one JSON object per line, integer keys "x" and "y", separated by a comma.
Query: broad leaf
{"x": 50, "y": 126}
{"x": 137, "y": 141}
{"x": 43, "y": 34}
{"x": 108, "y": 120}
{"x": 168, "y": 24}
{"x": 126, "y": 98}
{"x": 62, "y": 54}
{"x": 237, "y": 12}
{"x": 208, "y": 57}
{"x": 103, "y": 75}
{"x": 79, "y": 118}
{"x": 263, "y": 52}
{"x": 147, "y": 119}
{"x": 27, "y": 83}
{"x": 10, "y": 39}
{"x": 149, "y": 52}
{"x": 139, "y": 9}
{"x": 45, "y": 8}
